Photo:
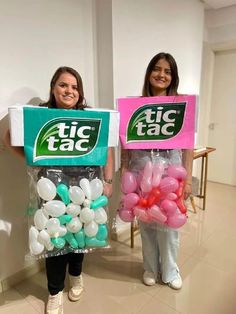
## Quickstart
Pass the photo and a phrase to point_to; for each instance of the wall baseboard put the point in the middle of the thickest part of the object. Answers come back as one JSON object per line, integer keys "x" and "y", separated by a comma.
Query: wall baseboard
{"x": 23, "y": 274}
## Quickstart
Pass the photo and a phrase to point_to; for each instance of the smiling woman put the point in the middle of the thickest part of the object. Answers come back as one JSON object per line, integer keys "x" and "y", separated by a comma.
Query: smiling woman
{"x": 66, "y": 91}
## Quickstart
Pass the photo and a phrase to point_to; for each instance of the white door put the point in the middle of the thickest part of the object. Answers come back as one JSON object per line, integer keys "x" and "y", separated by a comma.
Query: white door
{"x": 222, "y": 127}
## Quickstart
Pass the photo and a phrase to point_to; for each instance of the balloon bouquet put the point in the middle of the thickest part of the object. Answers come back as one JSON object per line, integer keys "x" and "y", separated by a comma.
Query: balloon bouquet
{"x": 71, "y": 218}
{"x": 154, "y": 194}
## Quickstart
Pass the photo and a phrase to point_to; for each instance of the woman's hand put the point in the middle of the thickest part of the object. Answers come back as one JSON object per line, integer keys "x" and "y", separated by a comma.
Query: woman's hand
{"x": 107, "y": 189}
{"x": 187, "y": 190}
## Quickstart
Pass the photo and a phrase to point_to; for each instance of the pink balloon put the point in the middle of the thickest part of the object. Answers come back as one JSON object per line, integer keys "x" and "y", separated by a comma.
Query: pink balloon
{"x": 177, "y": 171}
{"x": 156, "y": 214}
{"x": 168, "y": 185}
{"x": 171, "y": 196}
{"x": 170, "y": 207}
{"x": 177, "y": 220}
{"x": 146, "y": 183}
{"x": 158, "y": 170}
{"x": 139, "y": 177}
{"x": 126, "y": 215}
{"x": 128, "y": 182}
{"x": 141, "y": 214}
{"x": 130, "y": 200}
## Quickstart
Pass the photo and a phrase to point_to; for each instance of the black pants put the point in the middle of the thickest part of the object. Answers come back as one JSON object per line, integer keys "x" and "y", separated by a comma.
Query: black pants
{"x": 56, "y": 270}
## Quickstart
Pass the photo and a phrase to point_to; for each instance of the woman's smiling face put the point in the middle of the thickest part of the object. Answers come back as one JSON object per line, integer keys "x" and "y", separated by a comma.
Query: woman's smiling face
{"x": 160, "y": 78}
{"x": 66, "y": 92}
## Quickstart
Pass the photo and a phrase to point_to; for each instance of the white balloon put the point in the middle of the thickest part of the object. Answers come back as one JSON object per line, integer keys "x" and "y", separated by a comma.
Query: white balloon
{"x": 53, "y": 226}
{"x": 86, "y": 203}
{"x": 96, "y": 186}
{"x": 62, "y": 231}
{"x": 55, "y": 208}
{"x": 76, "y": 195}
{"x": 100, "y": 216}
{"x": 44, "y": 239}
{"x": 73, "y": 209}
{"x": 40, "y": 219}
{"x": 74, "y": 225}
{"x": 33, "y": 233}
{"x": 91, "y": 229}
{"x": 46, "y": 189}
{"x": 35, "y": 247}
{"x": 85, "y": 186}
{"x": 86, "y": 215}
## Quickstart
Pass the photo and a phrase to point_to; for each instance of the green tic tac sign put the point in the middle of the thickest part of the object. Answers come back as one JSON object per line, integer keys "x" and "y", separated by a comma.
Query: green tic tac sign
{"x": 58, "y": 137}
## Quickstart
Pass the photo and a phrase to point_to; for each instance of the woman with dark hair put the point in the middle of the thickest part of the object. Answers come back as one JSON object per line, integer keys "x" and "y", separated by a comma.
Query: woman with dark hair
{"x": 160, "y": 244}
{"x": 52, "y": 102}
{"x": 66, "y": 92}
{"x": 153, "y": 69}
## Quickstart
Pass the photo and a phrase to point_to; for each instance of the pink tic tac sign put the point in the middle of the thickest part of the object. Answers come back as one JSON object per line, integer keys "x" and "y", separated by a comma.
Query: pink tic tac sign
{"x": 164, "y": 122}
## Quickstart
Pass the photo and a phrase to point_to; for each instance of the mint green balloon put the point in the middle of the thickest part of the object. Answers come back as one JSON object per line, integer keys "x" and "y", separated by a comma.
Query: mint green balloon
{"x": 64, "y": 219}
{"x": 59, "y": 242}
{"x": 102, "y": 233}
{"x": 63, "y": 192}
{"x": 80, "y": 238}
{"x": 71, "y": 240}
{"x": 99, "y": 202}
{"x": 94, "y": 242}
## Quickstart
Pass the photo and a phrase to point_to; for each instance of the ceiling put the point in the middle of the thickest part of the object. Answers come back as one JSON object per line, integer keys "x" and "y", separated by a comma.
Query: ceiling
{"x": 218, "y": 4}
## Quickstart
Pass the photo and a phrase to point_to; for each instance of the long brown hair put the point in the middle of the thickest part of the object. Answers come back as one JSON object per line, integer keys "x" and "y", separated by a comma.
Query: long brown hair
{"x": 51, "y": 103}
{"x": 172, "y": 89}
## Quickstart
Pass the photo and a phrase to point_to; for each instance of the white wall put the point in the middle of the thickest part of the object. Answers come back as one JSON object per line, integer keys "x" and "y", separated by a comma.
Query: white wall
{"x": 141, "y": 29}
{"x": 37, "y": 37}
{"x": 221, "y": 25}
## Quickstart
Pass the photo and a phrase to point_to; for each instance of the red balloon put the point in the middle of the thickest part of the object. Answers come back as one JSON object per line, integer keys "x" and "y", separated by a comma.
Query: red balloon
{"x": 143, "y": 202}
{"x": 180, "y": 190}
{"x": 153, "y": 197}
{"x": 181, "y": 205}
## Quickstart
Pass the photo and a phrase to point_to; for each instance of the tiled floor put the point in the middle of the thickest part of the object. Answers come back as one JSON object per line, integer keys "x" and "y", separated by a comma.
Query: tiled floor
{"x": 207, "y": 260}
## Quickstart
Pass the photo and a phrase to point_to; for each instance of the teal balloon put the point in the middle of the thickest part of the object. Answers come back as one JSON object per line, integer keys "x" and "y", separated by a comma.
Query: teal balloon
{"x": 102, "y": 232}
{"x": 64, "y": 219}
{"x": 59, "y": 242}
{"x": 99, "y": 202}
{"x": 63, "y": 192}
{"x": 69, "y": 237}
{"x": 94, "y": 242}
{"x": 80, "y": 238}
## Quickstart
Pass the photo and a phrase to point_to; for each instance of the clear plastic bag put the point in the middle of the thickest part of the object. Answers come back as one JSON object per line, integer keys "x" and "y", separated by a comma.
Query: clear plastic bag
{"x": 68, "y": 211}
{"x": 153, "y": 186}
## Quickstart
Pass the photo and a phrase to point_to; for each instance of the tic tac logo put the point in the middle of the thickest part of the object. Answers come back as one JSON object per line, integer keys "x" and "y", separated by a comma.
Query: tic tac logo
{"x": 156, "y": 122}
{"x": 66, "y": 138}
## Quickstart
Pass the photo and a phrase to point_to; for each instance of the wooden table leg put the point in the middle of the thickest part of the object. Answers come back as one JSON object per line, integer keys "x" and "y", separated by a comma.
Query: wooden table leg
{"x": 205, "y": 182}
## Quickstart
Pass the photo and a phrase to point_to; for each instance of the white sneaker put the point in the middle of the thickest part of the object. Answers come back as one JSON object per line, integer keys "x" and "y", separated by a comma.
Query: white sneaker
{"x": 55, "y": 303}
{"x": 77, "y": 287}
{"x": 176, "y": 283}
{"x": 149, "y": 278}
